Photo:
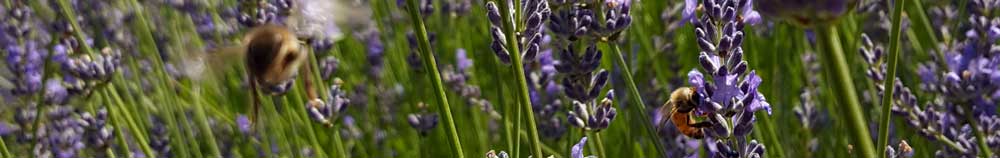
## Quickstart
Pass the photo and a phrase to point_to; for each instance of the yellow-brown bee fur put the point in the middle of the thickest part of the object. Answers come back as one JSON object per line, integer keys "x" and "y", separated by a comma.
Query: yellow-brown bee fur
{"x": 681, "y": 104}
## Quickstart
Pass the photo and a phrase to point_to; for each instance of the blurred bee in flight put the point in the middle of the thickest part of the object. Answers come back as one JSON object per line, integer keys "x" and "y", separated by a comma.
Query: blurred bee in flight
{"x": 679, "y": 108}
{"x": 273, "y": 54}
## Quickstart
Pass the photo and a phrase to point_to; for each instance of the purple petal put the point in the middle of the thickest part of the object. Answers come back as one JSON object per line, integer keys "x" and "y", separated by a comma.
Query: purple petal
{"x": 577, "y": 151}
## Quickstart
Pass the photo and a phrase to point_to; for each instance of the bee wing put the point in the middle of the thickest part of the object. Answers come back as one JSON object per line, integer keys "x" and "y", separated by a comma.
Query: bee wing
{"x": 201, "y": 65}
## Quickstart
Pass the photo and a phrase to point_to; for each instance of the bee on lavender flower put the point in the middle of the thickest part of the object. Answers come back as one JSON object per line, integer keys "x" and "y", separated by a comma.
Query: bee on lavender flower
{"x": 681, "y": 104}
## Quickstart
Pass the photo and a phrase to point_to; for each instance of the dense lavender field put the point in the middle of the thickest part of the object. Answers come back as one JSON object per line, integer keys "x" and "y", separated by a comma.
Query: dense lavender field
{"x": 499, "y": 78}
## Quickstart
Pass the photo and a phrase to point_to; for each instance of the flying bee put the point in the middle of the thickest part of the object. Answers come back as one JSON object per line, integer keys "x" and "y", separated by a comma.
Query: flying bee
{"x": 274, "y": 56}
{"x": 680, "y": 106}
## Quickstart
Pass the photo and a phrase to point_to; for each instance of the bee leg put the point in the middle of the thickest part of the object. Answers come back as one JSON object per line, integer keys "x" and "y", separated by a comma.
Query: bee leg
{"x": 255, "y": 103}
{"x": 314, "y": 101}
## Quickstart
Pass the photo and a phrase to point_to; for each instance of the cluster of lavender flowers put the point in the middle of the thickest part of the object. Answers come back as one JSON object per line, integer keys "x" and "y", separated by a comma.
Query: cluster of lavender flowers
{"x": 731, "y": 98}
{"x": 456, "y": 78}
{"x": 574, "y": 19}
{"x": 24, "y": 53}
{"x": 807, "y": 111}
{"x": 961, "y": 111}
{"x": 259, "y": 12}
{"x": 573, "y": 24}
{"x": 27, "y": 40}
{"x": 581, "y": 84}
{"x": 536, "y": 13}
{"x": 66, "y": 132}
{"x": 335, "y": 103}
{"x": 545, "y": 94}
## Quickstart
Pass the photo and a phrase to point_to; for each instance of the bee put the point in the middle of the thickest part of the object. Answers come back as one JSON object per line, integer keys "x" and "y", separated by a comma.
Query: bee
{"x": 680, "y": 106}
{"x": 274, "y": 58}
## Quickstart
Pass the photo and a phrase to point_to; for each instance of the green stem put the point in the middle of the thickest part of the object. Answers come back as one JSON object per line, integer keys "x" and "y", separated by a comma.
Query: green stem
{"x": 600, "y": 145}
{"x": 338, "y": 142}
{"x": 843, "y": 87}
{"x": 3, "y": 148}
{"x": 640, "y": 105}
{"x": 524, "y": 97}
{"x": 137, "y": 133}
{"x": 435, "y": 76}
{"x": 883, "y": 138}
{"x": 984, "y": 148}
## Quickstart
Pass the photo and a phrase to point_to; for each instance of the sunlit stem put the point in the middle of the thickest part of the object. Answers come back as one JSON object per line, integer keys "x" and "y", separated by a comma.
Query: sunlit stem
{"x": 883, "y": 137}
{"x": 434, "y": 75}
{"x": 639, "y": 105}
{"x": 524, "y": 98}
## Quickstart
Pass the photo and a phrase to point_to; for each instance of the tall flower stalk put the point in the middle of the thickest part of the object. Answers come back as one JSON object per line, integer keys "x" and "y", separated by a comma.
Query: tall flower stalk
{"x": 507, "y": 44}
{"x": 435, "y": 76}
{"x": 897, "y": 15}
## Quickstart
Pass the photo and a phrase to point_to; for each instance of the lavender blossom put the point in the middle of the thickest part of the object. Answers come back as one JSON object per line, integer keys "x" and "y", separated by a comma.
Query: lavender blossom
{"x": 266, "y": 11}
{"x": 536, "y": 13}
{"x": 577, "y": 150}
{"x": 325, "y": 111}
{"x": 159, "y": 139}
{"x": 731, "y": 96}
{"x": 328, "y": 66}
{"x": 62, "y": 135}
{"x": 97, "y": 132}
{"x": 593, "y": 116}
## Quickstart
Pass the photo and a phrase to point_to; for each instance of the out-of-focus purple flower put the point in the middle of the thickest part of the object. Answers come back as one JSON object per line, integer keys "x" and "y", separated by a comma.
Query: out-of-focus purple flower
{"x": 243, "y": 124}
{"x": 7, "y": 128}
{"x": 266, "y": 11}
{"x": 159, "y": 139}
{"x": 62, "y": 134}
{"x": 328, "y": 66}
{"x": 423, "y": 122}
{"x": 462, "y": 60}
{"x": 97, "y": 131}
{"x": 55, "y": 93}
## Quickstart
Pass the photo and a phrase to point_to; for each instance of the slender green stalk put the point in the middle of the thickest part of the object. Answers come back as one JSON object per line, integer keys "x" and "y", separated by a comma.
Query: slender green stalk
{"x": 883, "y": 137}
{"x": 984, "y": 149}
{"x": 116, "y": 108}
{"x": 600, "y": 145}
{"x": 435, "y": 76}
{"x": 3, "y": 148}
{"x": 640, "y": 106}
{"x": 843, "y": 88}
{"x": 524, "y": 97}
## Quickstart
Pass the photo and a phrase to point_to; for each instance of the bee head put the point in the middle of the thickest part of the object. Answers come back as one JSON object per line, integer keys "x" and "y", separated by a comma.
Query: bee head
{"x": 682, "y": 99}
{"x": 274, "y": 56}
